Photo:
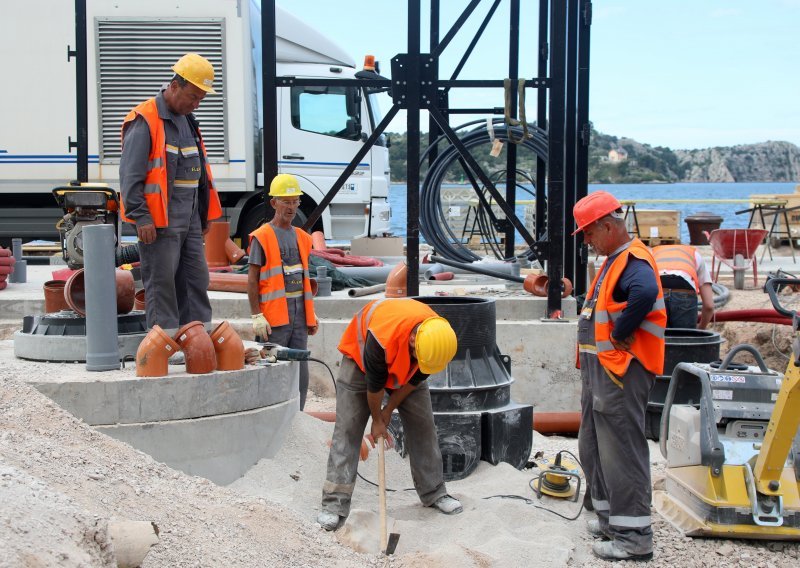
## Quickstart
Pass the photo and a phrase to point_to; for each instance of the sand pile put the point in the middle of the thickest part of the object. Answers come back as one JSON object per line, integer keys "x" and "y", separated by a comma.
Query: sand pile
{"x": 60, "y": 481}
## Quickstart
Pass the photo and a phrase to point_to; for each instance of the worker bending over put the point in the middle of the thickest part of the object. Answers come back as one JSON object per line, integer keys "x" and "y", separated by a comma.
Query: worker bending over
{"x": 684, "y": 276}
{"x": 168, "y": 191}
{"x": 278, "y": 282}
{"x": 390, "y": 346}
{"x": 621, "y": 349}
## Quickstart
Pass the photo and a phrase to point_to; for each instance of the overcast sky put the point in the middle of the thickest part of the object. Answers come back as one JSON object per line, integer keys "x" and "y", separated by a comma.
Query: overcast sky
{"x": 676, "y": 73}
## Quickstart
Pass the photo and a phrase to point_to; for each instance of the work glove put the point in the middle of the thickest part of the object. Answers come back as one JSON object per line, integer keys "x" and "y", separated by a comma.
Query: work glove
{"x": 261, "y": 326}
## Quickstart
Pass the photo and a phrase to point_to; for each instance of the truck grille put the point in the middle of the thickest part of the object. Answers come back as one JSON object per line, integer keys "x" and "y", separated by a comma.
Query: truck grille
{"x": 134, "y": 59}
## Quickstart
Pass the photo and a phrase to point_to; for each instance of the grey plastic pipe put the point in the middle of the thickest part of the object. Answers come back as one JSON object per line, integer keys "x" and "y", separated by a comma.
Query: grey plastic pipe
{"x": 366, "y": 291}
{"x": 507, "y": 274}
{"x": 20, "y": 274}
{"x": 375, "y": 274}
{"x": 102, "y": 344}
{"x": 508, "y": 268}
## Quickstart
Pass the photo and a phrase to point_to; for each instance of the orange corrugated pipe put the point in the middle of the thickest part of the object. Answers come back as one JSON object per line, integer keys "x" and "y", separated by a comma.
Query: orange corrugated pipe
{"x": 543, "y": 422}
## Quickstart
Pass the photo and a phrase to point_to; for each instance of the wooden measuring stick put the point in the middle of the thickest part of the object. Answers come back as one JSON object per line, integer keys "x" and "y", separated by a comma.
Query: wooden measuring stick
{"x": 382, "y": 492}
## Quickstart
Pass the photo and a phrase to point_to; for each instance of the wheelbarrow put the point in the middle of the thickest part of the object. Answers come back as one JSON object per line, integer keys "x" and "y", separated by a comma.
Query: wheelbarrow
{"x": 735, "y": 248}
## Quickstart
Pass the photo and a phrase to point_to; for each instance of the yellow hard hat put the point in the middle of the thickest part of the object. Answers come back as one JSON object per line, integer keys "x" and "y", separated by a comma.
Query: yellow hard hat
{"x": 197, "y": 70}
{"x": 284, "y": 185}
{"x": 435, "y": 345}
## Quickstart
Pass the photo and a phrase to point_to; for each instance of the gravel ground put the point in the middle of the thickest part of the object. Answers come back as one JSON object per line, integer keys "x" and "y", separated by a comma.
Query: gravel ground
{"x": 61, "y": 483}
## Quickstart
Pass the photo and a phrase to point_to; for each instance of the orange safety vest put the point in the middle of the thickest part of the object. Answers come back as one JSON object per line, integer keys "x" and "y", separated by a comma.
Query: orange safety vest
{"x": 648, "y": 339}
{"x": 677, "y": 257}
{"x": 271, "y": 288}
{"x": 155, "y": 182}
{"x": 391, "y": 322}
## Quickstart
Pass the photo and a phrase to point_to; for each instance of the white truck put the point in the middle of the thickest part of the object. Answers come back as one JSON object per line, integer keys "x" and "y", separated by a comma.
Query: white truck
{"x": 131, "y": 46}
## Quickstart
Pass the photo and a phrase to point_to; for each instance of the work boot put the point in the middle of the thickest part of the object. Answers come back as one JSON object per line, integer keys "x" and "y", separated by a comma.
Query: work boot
{"x": 610, "y": 550}
{"x": 593, "y": 526}
{"x": 328, "y": 521}
{"x": 448, "y": 505}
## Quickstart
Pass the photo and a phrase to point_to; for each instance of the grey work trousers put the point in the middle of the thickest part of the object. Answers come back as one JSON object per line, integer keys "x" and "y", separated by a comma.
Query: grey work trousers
{"x": 295, "y": 335}
{"x": 175, "y": 276}
{"x": 352, "y": 413}
{"x": 613, "y": 448}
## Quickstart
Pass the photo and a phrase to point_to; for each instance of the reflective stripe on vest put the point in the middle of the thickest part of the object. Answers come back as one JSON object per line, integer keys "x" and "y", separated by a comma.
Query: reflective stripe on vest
{"x": 271, "y": 290}
{"x": 155, "y": 182}
{"x": 677, "y": 257}
{"x": 390, "y": 321}
{"x": 648, "y": 338}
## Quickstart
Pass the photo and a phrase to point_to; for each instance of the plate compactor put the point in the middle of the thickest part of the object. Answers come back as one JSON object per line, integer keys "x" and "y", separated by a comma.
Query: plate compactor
{"x": 733, "y": 455}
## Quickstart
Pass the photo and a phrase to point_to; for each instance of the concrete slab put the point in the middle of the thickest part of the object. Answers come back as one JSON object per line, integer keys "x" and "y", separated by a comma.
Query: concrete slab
{"x": 215, "y": 425}
{"x": 542, "y": 353}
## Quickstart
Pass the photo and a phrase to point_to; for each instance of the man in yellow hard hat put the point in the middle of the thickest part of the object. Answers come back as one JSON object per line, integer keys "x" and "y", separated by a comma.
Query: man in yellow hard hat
{"x": 621, "y": 349}
{"x": 390, "y": 346}
{"x": 278, "y": 281}
{"x": 168, "y": 191}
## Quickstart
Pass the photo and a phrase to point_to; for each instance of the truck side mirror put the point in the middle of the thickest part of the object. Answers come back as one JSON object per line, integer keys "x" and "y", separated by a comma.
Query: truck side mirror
{"x": 352, "y": 129}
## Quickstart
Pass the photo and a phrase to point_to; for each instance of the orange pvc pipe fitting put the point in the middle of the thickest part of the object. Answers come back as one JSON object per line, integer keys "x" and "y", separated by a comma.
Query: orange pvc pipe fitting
{"x": 138, "y": 300}
{"x": 556, "y": 422}
{"x": 228, "y": 348}
{"x": 227, "y": 282}
{"x": 197, "y": 347}
{"x": 396, "y": 286}
{"x": 232, "y": 251}
{"x": 318, "y": 240}
{"x": 75, "y": 291}
{"x": 54, "y": 300}
{"x": 536, "y": 284}
{"x": 152, "y": 356}
{"x": 218, "y": 233}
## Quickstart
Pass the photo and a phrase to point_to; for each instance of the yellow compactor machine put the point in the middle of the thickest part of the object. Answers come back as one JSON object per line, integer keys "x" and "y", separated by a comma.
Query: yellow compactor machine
{"x": 733, "y": 465}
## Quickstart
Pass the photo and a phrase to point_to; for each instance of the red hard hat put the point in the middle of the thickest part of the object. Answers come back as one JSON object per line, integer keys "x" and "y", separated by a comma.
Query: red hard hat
{"x": 593, "y": 207}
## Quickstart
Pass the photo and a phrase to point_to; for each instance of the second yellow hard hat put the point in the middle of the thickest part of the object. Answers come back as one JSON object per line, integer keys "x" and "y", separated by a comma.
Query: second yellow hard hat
{"x": 284, "y": 185}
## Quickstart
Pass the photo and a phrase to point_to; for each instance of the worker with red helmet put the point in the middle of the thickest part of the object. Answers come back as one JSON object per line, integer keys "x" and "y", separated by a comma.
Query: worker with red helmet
{"x": 621, "y": 349}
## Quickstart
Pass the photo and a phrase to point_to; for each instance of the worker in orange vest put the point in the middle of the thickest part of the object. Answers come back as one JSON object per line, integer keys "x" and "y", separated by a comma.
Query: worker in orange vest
{"x": 167, "y": 190}
{"x": 621, "y": 349}
{"x": 390, "y": 347}
{"x": 684, "y": 276}
{"x": 278, "y": 281}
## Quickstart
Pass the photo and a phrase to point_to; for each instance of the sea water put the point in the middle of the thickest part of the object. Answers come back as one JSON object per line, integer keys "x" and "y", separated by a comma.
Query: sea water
{"x": 634, "y": 192}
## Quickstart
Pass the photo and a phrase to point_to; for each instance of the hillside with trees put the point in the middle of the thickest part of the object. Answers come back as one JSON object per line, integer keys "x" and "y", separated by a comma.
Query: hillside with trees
{"x": 615, "y": 159}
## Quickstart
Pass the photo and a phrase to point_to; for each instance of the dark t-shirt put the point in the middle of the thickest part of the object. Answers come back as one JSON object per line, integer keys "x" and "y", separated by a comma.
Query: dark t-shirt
{"x": 377, "y": 369}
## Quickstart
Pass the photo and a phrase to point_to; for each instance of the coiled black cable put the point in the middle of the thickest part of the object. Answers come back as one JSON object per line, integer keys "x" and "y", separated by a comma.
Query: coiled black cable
{"x": 433, "y": 222}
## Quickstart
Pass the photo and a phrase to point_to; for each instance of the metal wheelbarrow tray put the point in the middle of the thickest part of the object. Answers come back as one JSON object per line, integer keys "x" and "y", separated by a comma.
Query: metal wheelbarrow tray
{"x": 735, "y": 248}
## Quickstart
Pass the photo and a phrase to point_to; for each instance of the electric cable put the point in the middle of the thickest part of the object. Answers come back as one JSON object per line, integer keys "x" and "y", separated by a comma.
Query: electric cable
{"x": 529, "y": 501}
{"x": 329, "y": 370}
{"x": 433, "y": 222}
